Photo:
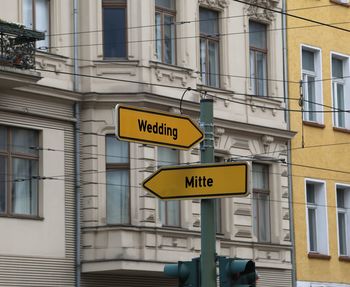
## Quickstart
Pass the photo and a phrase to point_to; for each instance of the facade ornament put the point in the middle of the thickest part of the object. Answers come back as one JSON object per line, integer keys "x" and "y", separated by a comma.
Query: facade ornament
{"x": 218, "y": 132}
{"x": 220, "y": 4}
{"x": 267, "y": 141}
{"x": 261, "y": 13}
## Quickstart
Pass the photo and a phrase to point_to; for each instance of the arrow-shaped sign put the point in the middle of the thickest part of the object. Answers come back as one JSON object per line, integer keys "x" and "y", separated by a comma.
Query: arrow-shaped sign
{"x": 205, "y": 180}
{"x": 155, "y": 127}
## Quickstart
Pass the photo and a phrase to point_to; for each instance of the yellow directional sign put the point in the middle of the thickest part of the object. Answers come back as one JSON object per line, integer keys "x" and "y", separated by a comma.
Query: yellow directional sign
{"x": 155, "y": 127}
{"x": 205, "y": 180}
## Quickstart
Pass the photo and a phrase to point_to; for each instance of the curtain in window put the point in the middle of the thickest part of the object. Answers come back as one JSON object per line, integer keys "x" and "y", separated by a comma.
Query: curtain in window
{"x": 117, "y": 179}
{"x": 158, "y": 32}
{"x": 312, "y": 229}
{"x": 258, "y": 57}
{"x": 261, "y": 203}
{"x": 28, "y": 13}
{"x": 42, "y": 22}
{"x": 170, "y": 209}
{"x": 342, "y": 233}
{"x": 25, "y": 186}
{"x": 169, "y": 39}
{"x": 118, "y": 197}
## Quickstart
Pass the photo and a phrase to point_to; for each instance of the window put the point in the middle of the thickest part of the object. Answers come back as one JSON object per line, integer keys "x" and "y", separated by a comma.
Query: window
{"x": 19, "y": 171}
{"x": 114, "y": 29}
{"x": 117, "y": 181}
{"x": 316, "y": 217}
{"x": 258, "y": 58}
{"x": 261, "y": 203}
{"x": 311, "y": 78}
{"x": 169, "y": 210}
{"x": 339, "y": 90}
{"x": 36, "y": 16}
{"x": 343, "y": 210}
{"x": 165, "y": 31}
{"x": 209, "y": 47}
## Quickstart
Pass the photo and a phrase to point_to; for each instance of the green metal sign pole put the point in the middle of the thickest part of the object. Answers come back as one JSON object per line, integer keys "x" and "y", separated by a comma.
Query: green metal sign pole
{"x": 208, "y": 253}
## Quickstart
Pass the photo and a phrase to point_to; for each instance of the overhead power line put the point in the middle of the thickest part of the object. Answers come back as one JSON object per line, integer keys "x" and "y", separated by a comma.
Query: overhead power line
{"x": 200, "y": 91}
{"x": 294, "y": 16}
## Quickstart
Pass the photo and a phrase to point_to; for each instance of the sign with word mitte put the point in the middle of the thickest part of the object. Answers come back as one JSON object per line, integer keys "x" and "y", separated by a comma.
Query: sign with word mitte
{"x": 156, "y": 127}
{"x": 199, "y": 181}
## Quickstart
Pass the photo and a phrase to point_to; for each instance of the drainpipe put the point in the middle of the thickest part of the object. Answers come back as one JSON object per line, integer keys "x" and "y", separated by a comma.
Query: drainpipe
{"x": 77, "y": 146}
{"x": 286, "y": 100}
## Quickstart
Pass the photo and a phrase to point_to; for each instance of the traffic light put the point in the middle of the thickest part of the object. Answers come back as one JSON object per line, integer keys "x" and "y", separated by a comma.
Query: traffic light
{"x": 187, "y": 272}
{"x": 236, "y": 272}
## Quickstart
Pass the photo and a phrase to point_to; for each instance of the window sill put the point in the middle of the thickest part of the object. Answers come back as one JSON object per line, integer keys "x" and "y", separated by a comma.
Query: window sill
{"x": 339, "y": 3}
{"x": 344, "y": 258}
{"x": 173, "y": 67}
{"x": 314, "y": 124}
{"x": 315, "y": 255}
{"x": 18, "y": 216}
{"x": 342, "y": 130}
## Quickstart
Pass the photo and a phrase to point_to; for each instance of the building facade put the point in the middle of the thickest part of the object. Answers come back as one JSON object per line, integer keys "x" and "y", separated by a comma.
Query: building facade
{"x": 320, "y": 163}
{"x": 164, "y": 55}
{"x": 37, "y": 126}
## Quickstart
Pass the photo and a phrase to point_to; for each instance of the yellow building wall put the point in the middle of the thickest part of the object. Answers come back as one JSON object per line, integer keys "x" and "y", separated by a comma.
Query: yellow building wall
{"x": 323, "y": 145}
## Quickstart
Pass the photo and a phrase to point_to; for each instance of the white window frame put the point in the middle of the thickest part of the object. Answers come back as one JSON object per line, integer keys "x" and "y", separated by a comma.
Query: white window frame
{"x": 346, "y": 83}
{"x": 345, "y": 211}
{"x": 317, "y": 74}
{"x": 322, "y": 244}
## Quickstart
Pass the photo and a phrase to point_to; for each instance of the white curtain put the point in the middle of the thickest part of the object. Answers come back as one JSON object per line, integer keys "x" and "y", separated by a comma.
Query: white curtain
{"x": 24, "y": 191}
{"x": 42, "y": 22}
{"x": 118, "y": 197}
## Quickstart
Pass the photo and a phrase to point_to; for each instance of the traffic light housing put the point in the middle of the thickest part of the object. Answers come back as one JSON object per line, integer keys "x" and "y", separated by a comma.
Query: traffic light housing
{"x": 236, "y": 272}
{"x": 186, "y": 271}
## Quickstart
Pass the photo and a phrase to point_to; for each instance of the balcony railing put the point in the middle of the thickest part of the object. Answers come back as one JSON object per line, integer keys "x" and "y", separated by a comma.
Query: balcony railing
{"x": 17, "y": 45}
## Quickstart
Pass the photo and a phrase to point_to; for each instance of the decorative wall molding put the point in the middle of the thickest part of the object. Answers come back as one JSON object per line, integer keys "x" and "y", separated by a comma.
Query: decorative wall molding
{"x": 257, "y": 9}
{"x": 218, "y": 4}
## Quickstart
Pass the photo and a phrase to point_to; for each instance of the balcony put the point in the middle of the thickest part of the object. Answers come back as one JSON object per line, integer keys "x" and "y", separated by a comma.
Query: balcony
{"x": 17, "y": 45}
{"x": 17, "y": 55}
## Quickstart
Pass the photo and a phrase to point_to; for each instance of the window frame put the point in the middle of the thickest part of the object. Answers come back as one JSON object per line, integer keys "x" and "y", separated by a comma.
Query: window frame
{"x": 165, "y": 12}
{"x": 113, "y": 167}
{"x": 317, "y": 74}
{"x": 110, "y": 4}
{"x": 255, "y": 50}
{"x": 320, "y": 205}
{"x": 346, "y": 90}
{"x": 48, "y": 32}
{"x": 209, "y": 39}
{"x": 257, "y": 192}
{"x": 9, "y": 156}
{"x": 346, "y": 212}
{"x": 165, "y": 221}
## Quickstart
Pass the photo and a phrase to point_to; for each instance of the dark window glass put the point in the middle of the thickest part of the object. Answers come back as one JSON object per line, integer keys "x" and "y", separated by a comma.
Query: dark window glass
{"x": 114, "y": 29}
{"x": 167, "y": 4}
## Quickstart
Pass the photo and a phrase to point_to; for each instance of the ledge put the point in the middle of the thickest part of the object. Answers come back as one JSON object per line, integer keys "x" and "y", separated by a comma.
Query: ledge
{"x": 314, "y": 124}
{"x": 344, "y": 258}
{"x": 342, "y": 130}
{"x": 315, "y": 255}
